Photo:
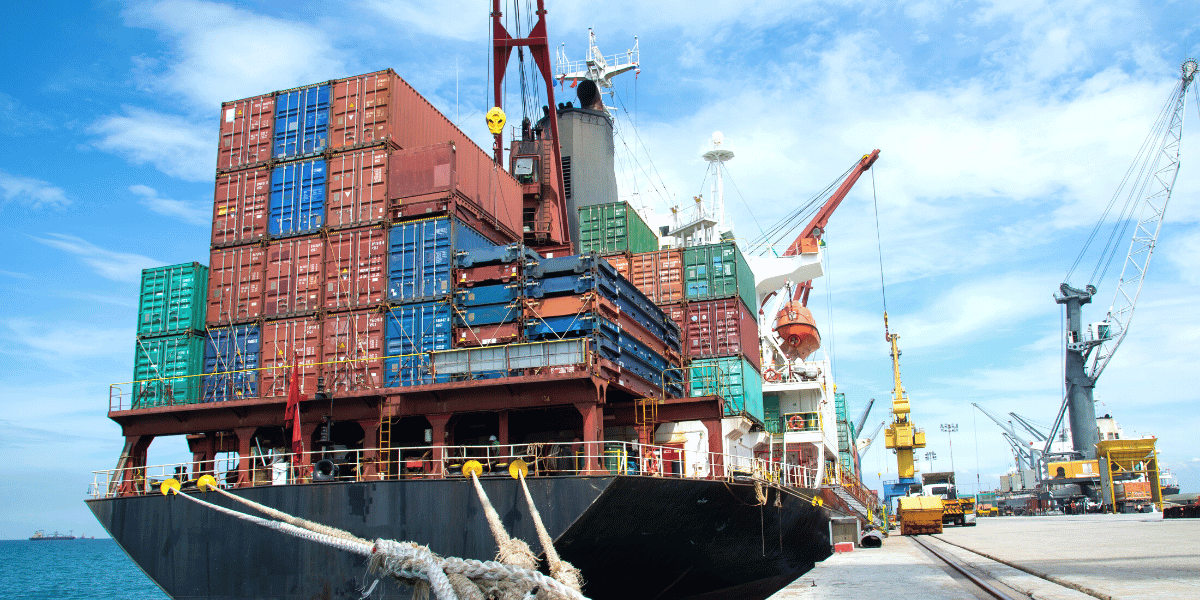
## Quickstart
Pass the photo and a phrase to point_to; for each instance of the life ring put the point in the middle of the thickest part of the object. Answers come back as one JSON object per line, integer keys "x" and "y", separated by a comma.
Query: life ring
{"x": 795, "y": 422}
{"x": 771, "y": 375}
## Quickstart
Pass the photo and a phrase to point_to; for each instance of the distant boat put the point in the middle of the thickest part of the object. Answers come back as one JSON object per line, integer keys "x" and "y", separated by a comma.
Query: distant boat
{"x": 40, "y": 535}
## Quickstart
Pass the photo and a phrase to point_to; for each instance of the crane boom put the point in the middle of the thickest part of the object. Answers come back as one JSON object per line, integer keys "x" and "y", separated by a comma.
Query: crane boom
{"x": 862, "y": 419}
{"x": 864, "y": 443}
{"x": 1145, "y": 234}
{"x": 816, "y": 227}
{"x": 1100, "y": 341}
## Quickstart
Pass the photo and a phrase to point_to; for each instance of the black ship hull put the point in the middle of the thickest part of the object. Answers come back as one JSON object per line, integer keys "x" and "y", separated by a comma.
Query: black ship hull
{"x": 632, "y": 537}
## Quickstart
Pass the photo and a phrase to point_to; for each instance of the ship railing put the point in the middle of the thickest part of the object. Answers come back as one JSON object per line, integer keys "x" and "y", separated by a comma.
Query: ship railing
{"x": 547, "y": 459}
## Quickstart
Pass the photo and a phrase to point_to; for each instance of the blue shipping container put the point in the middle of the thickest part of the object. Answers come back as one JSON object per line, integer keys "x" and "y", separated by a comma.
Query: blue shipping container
{"x": 230, "y": 352}
{"x": 487, "y": 314}
{"x": 480, "y": 295}
{"x": 297, "y": 198}
{"x": 613, "y": 344}
{"x": 410, "y": 333}
{"x": 421, "y": 257}
{"x": 301, "y": 122}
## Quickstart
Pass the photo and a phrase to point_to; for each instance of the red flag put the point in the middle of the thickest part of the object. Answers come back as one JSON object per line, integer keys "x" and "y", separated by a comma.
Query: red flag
{"x": 292, "y": 412}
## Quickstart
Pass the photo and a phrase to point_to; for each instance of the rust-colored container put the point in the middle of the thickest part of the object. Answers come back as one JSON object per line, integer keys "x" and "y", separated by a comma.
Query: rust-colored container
{"x": 721, "y": 328}
{"x": 240, "y": 203}
{"x": 294, "y": 276}
{"x": 658, "y": 275}
{"x": 487, "y": 335}
{"x": 286, "y": 342}
{"x": 357, "y": 186}
{"x": 678, "y": 313}
{"x": 235, "y": 284}
{"x": 356, "y": 268}
{"x": 353, "y": 351}
{"x": 487, "y": 274}
{"x": 454, "y": 179}
{"x": 362, "y": 110}
{"x": 246, "y": 129}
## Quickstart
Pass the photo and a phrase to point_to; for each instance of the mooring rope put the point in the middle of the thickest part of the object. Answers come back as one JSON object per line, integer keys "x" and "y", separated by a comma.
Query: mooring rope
{"x": 449, "y": 578}
{"x": 559, "y": 569}
{"x": 512, "y": 551}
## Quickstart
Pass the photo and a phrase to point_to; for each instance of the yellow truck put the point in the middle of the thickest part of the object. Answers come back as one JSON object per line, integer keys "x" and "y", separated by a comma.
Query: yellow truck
{"x": 955, "y": 510}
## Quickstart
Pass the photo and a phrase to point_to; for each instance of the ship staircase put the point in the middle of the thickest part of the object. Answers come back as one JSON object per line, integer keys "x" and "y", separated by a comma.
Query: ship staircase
{"x": 860, "y": 510}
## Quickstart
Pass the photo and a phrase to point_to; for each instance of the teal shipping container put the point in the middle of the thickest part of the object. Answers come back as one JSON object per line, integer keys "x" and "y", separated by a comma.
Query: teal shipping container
{"x": 614, "y": 227}
{"x": 715, "y": 271}
{"x": 172, "y": 300}
{"x": 733, "y": 378}
{"x": 166, "y": 370}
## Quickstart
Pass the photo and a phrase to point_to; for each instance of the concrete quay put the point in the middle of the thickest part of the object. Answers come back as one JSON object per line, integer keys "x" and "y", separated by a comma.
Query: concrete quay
{"x": 1071, "y": 557}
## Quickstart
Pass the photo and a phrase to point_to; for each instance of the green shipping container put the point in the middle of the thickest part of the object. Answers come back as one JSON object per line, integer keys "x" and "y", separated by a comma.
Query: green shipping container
{"x": 161, "y": 370}
{"x": 614, "y": 227}
{"x": 732, "y": 378}
{"x": 172, "y": 300}
{"x": 716, "y": 271}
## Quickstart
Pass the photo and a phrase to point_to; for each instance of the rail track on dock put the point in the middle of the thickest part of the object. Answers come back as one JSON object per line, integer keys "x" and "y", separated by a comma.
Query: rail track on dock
{"x": 987, "y": 581}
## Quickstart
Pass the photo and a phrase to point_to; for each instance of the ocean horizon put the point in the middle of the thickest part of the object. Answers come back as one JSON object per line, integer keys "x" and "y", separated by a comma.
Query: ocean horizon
{"x": 72, "y": 569}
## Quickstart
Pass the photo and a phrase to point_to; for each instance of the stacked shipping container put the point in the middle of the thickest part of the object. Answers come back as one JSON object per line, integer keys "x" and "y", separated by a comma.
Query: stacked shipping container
{"x": 338, "y": 209}
{"x": 170, "y": 343}
{"x": 708, "y": 291}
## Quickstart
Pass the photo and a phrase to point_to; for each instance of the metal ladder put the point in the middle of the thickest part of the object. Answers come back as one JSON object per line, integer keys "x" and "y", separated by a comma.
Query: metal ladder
{"x": 385, "y": 441}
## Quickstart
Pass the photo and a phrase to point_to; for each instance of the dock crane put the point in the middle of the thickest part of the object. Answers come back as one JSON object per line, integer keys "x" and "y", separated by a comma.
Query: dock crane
{"x": 864, "y": 443}
{"x": 902, "y": 435}
{"x": 1028, "y": 457}
{"x": 1088, "y": 351}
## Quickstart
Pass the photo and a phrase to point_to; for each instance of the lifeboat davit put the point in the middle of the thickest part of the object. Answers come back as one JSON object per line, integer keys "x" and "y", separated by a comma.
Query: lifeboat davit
{"x": 796, "y": 327}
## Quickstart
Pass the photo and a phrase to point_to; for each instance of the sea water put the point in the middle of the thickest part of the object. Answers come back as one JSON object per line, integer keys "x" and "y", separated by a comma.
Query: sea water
{"x": 70, "y": 569}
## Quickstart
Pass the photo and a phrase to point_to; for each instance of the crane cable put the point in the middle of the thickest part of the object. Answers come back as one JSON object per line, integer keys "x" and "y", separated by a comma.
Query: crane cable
{"x": 879, "y": 245}
{"x": 1140, "y": 180}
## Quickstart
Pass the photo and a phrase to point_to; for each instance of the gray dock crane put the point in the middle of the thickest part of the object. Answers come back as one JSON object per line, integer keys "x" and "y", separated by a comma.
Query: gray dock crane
{"x": 1147, "y": 189}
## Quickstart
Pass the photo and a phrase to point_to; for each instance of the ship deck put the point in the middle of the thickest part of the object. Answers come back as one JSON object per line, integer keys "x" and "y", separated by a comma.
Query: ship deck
{"x": 1137, "y": 556}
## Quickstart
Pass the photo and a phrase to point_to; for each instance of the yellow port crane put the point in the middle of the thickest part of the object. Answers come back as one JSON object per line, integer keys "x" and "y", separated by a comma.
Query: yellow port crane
{"x": 902, "y": 435}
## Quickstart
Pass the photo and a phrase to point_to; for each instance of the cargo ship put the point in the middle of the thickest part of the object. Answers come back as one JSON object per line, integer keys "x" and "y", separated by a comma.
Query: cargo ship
{"x": 386, "y": 304}
{"x": 40, "y": 536}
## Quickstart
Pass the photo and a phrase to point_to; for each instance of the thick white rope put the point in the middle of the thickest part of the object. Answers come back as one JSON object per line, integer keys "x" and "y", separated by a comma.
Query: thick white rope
{"x": 512, "y": 551}
{"x": 297, "y": 521}
{"x": 560, "y": 569}
{"x": 408, "y": 560}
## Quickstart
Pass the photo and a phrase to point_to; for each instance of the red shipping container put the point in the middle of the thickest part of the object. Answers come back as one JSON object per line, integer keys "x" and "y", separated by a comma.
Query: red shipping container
{"x": 357, "y": 186}
{"x": 487, "y": 335}
{"x": 285, "y": 343}
{"x": 487, "y": 274}
{"x": 353, "y": 351}
{"x": 356, "y": 268}
{"x": 658, "y": 275}
{"x": 294, "y": 276}
{"x": 246, "y": 132}
{"x": 240, "y": 205}
{"x": 721, "y": 328}
{"x": 678, "y": 313}
{"x": 235, "y": 284}
{"x": 455, "y": 178}
{"x": 362, "y": 109}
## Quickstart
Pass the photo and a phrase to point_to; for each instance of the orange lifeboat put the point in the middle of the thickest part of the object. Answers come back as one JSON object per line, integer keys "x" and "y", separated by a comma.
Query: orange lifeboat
{"x": 796, "y": 327}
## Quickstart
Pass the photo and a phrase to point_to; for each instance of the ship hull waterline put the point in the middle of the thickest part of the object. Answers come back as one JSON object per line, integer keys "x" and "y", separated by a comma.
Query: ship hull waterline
{"x": 632, "y": 537}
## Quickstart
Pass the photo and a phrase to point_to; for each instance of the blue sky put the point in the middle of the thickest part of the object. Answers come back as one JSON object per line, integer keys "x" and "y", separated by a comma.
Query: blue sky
{"x": 1004, "y": 127}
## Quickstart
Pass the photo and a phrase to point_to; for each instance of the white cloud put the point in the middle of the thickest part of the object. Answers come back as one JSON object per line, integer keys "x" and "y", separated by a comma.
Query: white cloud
{"x": 30, "y": 192}
{"x": 59, "y": 341}
{"x": 172, "y": 144}
{"x": 117, "y": 266}
{"x": 188, "y": 212}
{"x": 223, "y": 53}
{"x": 16, "y": 275}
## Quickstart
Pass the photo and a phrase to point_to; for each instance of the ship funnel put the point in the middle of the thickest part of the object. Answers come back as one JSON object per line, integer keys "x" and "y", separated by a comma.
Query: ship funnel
{"x": 589, "y": 95}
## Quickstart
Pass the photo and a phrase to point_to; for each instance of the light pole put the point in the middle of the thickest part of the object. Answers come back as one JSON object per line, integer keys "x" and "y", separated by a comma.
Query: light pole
{"x": 950, "y": 428}
{"x": 929, "y": 456}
